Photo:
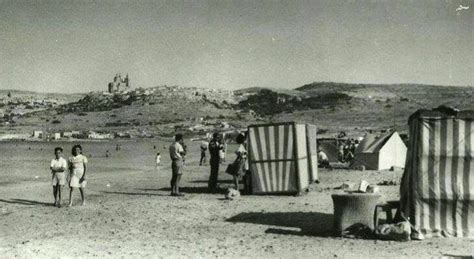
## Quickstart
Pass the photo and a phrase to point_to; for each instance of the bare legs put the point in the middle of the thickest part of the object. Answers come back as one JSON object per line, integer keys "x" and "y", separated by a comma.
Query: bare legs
{"x": 236, "y": 182}
{"x": 178, "y": 179}
{"x": 70, "y": 196}
{"x": 55, "y": 194}
{"x": 57, "y": 189}
{"x": 176, "y": 167}
{"x": 82, "y": 191}
{"x": 175, "y": 179}
{"x": 173, "y": 183}
{"x": 83, "y": 197}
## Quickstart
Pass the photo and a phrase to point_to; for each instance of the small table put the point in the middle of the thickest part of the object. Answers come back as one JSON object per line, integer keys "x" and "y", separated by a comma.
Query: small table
{"x": 352, "y": 208}
{"x": 386, "y": 207}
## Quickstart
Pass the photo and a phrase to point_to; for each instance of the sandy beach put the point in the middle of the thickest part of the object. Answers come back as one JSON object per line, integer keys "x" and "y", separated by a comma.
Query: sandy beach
{"x": 129, "y": 211}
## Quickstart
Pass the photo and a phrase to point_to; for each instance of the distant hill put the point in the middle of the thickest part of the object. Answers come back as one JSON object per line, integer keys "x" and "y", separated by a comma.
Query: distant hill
{"x": 256, "y": 90}
{"x": 333, "y": 107}
{"x": 425, "y": 96}
{"x": 22, "y": 92}
{"x": 372, "y": 106}
{"x": 155, "y": 111}
{"x": 59, "y": 96}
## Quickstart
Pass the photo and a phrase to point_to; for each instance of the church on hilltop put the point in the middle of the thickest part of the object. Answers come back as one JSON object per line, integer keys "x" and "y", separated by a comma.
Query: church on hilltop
{"x": 119, "y": 84}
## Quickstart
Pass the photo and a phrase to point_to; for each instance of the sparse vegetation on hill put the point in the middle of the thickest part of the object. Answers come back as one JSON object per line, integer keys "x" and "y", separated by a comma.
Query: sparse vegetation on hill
{"x": 151, "y": 111}
{"x": 97, "y": 101}
{"x": 333, "y": 107}
{"x": 268, "y": 102}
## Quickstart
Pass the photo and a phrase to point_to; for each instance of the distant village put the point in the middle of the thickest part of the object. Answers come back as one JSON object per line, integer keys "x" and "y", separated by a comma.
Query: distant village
{"x": 119, "y": 88}
{"x": 66, "y": 135}
{"x": 11, "y": 107}
{"x": 201, "y": 129}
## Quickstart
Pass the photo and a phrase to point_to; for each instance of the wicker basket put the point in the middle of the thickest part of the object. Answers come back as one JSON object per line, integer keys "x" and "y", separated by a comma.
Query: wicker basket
{"x": 350, "y": 209}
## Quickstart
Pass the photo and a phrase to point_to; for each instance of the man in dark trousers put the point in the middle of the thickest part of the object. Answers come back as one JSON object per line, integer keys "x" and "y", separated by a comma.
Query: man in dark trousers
{"x": 214, "y": 147}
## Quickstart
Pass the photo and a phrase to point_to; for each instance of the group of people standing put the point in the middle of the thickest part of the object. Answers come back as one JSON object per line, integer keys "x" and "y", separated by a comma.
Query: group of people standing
{"x": 347, "y": 150}
{"x": 71, "y": 171}
{"x": 216, "y": 147}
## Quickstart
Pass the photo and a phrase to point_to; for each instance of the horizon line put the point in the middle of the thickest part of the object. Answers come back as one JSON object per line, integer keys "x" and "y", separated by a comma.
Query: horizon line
{"x": 295, "y": 88}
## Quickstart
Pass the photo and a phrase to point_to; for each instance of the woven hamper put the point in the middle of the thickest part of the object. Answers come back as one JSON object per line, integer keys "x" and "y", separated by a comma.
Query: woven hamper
{"x": 353, "y": 208}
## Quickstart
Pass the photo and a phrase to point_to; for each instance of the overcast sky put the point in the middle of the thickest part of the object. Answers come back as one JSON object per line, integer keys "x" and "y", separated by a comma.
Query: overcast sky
{"x": 78, "y": 46}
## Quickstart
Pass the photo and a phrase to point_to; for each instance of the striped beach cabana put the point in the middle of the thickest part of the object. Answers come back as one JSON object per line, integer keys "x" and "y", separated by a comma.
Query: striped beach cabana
{"x": 282, "y": 157}
{"x": 437, "y": 189}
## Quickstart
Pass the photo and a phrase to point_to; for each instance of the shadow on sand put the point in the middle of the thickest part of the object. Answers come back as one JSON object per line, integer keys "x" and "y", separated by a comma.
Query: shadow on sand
{"x": 191, "y": 190}
{"x": 457, "y": 256}
{"x": 218, "y": 181}
{"x": 135, "y": 193}
{"x": 309, "y": 223}
{"x": 27, "y": 202}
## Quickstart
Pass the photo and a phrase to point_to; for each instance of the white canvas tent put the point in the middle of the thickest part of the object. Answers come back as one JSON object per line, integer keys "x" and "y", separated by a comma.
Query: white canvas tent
{"x": 380, "y": 153}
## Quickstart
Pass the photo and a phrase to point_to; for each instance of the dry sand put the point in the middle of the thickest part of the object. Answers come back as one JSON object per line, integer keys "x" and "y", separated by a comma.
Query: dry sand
{"x": 135, "y": 216}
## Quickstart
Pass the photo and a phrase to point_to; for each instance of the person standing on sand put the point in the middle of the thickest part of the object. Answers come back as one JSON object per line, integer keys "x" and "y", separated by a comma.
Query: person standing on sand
{"x": 58, "y": 167}
{"x": 203, "y": 147}
{"x": 177, "y": 154}
{"x": 157, "y": 160}
{"x": 185, "y": 148}
{"x": 77, "y": 170}
{"x": 240, "y": 162}
{"x": 341, "y": 153}
{"x": 215, "y": 146}
{"x": 223, "y": 151}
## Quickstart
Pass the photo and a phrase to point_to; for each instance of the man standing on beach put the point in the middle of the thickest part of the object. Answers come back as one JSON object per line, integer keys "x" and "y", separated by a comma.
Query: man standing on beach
{"x": 215, "y": 147}
{"x": 203, "y": 147}
{"x": 177, "y": 156}
{"x": 58, "y": 167}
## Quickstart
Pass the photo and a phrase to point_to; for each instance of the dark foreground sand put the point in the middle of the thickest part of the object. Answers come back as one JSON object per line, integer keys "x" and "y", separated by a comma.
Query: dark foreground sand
{"x": 129, "y": 213}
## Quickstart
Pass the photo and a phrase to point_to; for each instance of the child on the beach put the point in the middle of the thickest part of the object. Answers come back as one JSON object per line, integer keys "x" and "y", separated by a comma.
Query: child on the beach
{"x": 58, "y": 167}
{"x": 157, "y": 160}
{"x": 77, "y": 169}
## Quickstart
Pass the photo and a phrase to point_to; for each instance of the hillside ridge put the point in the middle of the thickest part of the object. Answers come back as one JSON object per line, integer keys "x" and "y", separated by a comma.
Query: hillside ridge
{"x": 163, "y": 110}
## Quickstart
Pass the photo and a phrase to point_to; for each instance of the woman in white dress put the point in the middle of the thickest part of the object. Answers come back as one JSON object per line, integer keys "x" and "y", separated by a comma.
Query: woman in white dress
{"x": 240, "y": 161}
{"x": 77, "y": 170}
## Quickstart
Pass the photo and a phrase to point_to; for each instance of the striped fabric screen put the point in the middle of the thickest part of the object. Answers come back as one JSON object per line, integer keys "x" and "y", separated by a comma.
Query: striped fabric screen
{"x": 301, "y": 154}
{"x": 278, "y": 158}
{"x": 437, "y": 190}
{"x": 311, "y": 140}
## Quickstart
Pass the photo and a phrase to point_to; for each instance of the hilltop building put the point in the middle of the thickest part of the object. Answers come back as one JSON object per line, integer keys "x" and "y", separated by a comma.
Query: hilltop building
{"x": 119, "y": 84}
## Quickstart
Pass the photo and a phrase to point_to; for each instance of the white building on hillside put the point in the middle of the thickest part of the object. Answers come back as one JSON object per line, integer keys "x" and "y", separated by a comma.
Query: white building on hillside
{"x": 95, "y": 135}
{"x": 37, "y": 134}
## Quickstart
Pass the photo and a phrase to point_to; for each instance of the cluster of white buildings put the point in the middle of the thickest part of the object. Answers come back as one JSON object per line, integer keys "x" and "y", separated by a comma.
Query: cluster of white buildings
{"x": 39, "y": 134}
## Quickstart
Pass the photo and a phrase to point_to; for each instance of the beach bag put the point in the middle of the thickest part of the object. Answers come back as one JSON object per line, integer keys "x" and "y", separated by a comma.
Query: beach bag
{"x": 232, "y": 194}
{"x": 399, "y": 232}
{"x": 235, "y": 167}
{"x": 232, "y": 168}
